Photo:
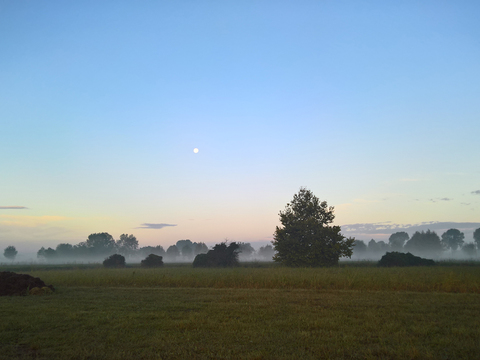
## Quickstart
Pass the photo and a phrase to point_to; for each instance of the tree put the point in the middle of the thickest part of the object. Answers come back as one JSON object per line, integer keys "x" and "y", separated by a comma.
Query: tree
{"x": 199, "y": 248}
{"x": 266, "y": 252}
{"x": 360, "y": 248}
{"x": 187, "y": 252}
{"x": 397, "y": 240}
{"x": 10, "y": 252}
{"x": 476, "y": 237}
{"x": 245, "y": 250}
{"x": 100, "y": 244}
{"x": 469, "y": 250}
{"x": 152, "y": 260}
{"x": 220, "y": 256}
{"x": 64, "y": 250}
{"x": 127, "y": 244}
{"x": 172, "y": 252}
{"x": 452, "y": 239}
{"x": 306, "y": 238}
{"x": 424, "y": 243}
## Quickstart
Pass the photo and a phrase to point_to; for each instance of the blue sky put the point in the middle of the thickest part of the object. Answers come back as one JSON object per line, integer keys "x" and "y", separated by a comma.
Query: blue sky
{"x": 372, "y": 105}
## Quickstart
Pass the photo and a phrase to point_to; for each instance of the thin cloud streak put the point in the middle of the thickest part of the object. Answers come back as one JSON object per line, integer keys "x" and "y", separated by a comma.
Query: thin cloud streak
{"x": 154, "y": 226}
{"x": 13, "y": 207}
{"x": 476, "y": 192}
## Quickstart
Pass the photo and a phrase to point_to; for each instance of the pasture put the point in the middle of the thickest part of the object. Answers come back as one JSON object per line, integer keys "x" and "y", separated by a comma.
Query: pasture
{"x": 257, "y": 311}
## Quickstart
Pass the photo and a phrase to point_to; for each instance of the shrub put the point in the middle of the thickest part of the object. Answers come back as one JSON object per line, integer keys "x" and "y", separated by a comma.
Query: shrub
{"x": 115, "y": 260}
{"x": 152, "y": 260}
{"x": 395, "y": 258}
{"x": 220, "y": 256}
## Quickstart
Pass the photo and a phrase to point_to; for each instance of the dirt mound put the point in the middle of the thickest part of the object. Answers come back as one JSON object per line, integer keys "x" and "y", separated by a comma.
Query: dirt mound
{"x": 19, "y": 284}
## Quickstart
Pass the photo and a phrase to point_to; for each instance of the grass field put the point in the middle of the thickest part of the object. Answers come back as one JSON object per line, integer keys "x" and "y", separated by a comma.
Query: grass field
{"x": 255, "y": 312}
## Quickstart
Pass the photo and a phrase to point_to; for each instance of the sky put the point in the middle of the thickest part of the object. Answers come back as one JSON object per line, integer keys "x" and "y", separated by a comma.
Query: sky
{"x": 372, "y": 105}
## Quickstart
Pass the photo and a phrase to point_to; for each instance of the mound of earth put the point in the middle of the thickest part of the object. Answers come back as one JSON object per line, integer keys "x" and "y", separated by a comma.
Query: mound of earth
{"x": 19, "y": 284}
{"x": 401, "y": 259}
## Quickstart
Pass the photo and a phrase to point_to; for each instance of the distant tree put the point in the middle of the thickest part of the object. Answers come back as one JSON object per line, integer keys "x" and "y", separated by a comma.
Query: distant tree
{"x": 476, "y": 237}
{"x": 65, "y": 250}
{"x": 266, "y": 252}
{"x": 10, "y": 252}
{"x": 469, "y": 250}
{"x": 372, "y": 246}
{"x": 172, "y": 252}
{"x": 47, "y": 254}
{"x": 395, "y": 258}
{"x": 397, "y": 240}
{"x": 306, "y": 238}
{"x": 199, "y": 248}
{"x": 41, "y": 253}
{"x": 114, "y": 261}
{"x": 156, "y": 250}
{"x": 181, "y": 243}
{"x": 452, "y": 239}
{"x": 245, "y": 250}
{"x": 424, "y": 243}
{"x": 187, "y": 251}
{"x": 127, "y": 244}
{"x": 222, "y": 255}
{"x": 152, "y": 260}
{"x": 100, "y": 244}
{"x": 359, "y": 248}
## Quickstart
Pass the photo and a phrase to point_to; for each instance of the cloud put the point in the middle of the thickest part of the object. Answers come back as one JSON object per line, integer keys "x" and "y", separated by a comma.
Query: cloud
{"x": 446, "y": 199}
{"x": 154, "y": 226}
{"x": 476, "y": 192}
{"x": 12, "y": 207}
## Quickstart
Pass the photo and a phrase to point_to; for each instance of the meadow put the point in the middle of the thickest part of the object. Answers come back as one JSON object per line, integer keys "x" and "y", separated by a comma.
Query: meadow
{"x": 256, "y": 311}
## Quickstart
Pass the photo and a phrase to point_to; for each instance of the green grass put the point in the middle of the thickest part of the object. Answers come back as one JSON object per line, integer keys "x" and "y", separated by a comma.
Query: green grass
{"x": 348, "y": 312}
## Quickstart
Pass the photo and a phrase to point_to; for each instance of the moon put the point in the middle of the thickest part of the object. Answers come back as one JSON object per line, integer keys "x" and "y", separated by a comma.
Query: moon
{"x": 195, "y": 150}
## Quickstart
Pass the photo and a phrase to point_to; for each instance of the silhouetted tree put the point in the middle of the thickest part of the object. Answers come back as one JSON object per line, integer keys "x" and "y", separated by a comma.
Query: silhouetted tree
{"x": 245, "y": 250}
{"x": 220, "y": 256}
{"x": 127, "y": 244}
{"x": 476, "y": 237}
{"x": 306, "y": 238}
{"x": 100, "y": 244}
{"x": 48, "y": 254}
{"x": 397, "y": 240}
{"x": 156, "y": 250}
{"x": 10, "y": 252}
{"x": 65, "y": 250}
{"x": 181, "y": 243}
{"x": 266, "y": 252}
{"x": 425, "y": 243}
{"x": 452, "y": 239}
{"x": 187, "y": 251}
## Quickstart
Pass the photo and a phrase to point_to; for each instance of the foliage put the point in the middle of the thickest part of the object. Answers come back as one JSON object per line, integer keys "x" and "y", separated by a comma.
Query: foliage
{"x": 397, "y": 240}
{"x": 152, "y": 260}
{"x": 424, "y": 243}
{"x": 360, "y": 247}
{"x": 395, "y": 258}
{"x": 100, "y": 243}
{"x": 10, "y": 252}
{"x": 245, "y": 250}
{"x": 452, "y": 239}
{"x": 65, "y": 250}
{"x": 266, "y": 252}
{"x": 469, "y": 249}
{"x": 172, "y": 252}
{"x": 157, "y": 250}
{"x": 220, "y": 256}
{"x": 306, "y": 238}
{"x": 127, "y": 244}
{"x": 114, "y": 261}
{"x": 476, "y": 237}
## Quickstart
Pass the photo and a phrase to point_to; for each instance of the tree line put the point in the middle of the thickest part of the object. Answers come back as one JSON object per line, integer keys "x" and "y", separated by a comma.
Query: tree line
{"x": 425, "y": 243}
{"x": 99, "y": 246}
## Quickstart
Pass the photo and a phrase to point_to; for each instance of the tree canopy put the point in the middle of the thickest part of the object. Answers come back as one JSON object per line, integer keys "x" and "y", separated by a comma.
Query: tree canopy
{"x": 10, "y": 252}
{"x": 425, "y": 242}
{"x": 306, "y": 237}
{"x": 397, "y": 240}
{"x": 452, "y": 239}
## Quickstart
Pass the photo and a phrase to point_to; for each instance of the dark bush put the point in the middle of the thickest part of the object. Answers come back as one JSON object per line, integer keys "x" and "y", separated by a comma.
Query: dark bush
{"x": 401, "y": 259}
{"x": 114, "y": 261}
{"x": 152, "y": 260}
{"x": 220, "y": 256}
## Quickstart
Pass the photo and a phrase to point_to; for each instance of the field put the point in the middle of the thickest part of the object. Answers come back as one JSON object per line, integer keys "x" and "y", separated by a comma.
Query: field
{"x": 354, "y": 311}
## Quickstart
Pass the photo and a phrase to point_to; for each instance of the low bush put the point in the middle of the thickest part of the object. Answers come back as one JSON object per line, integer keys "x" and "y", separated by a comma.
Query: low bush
{"x": 220, "y": 256}
{"x": 395, "y": 258}
{"x": 152, "y": 260}
{"x": 114, "y": 261}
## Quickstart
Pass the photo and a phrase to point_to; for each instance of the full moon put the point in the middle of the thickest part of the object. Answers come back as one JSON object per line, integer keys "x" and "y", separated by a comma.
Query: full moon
{"x": 195, "y": 150}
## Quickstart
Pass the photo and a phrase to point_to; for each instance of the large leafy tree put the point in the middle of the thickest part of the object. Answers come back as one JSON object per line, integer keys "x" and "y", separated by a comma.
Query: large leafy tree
{"x": 453, "y": 239}
{"x": 100, "y": 244}
{"x": 397, "y": 240}
{"x": 306, "y": 237}
{"x": 127, "y": 244}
